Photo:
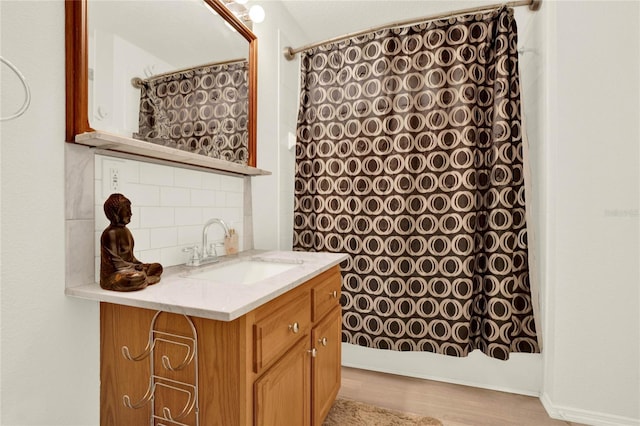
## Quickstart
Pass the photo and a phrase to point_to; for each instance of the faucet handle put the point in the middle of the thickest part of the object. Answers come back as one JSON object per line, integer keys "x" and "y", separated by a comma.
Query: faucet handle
{"x": 213, "y": 248}
{"x": 195, "y": 254}
{"x": 216, "y": 246}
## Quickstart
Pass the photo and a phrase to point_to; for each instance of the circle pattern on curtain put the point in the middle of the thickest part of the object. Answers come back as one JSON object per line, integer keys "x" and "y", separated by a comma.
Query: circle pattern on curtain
{"x": 204, "y": 111}
{"x": 409, "y": 158}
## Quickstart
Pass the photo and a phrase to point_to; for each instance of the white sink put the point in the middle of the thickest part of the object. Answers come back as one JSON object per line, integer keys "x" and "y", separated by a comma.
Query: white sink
{"x": 244, "y": 271}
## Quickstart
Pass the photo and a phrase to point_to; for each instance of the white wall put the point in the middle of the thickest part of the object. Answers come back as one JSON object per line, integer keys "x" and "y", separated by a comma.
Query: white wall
{"x": 277, "y": 94}
{"x": 50, "y": 342}
{"x": 592, "y": 359}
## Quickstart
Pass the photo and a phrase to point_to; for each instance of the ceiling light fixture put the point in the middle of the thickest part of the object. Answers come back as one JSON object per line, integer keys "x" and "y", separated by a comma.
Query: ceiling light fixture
{"x": 256, "y": 13}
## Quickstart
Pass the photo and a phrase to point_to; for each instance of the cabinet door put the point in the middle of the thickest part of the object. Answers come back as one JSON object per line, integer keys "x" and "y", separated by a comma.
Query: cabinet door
{"x": 283, "y": 393}
{"x": 326, "y": 338}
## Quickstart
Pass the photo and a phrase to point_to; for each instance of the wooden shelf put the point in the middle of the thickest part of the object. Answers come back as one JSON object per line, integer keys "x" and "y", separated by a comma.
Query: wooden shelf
{"x": 111, "y": 142}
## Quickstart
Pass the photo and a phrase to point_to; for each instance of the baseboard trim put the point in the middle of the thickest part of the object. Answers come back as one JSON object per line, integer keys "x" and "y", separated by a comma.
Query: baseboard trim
{"x": 584, "y": 416}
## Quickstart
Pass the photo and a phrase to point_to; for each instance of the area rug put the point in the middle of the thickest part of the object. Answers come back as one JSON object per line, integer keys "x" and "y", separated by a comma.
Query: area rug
{"x": 353, "y": 413}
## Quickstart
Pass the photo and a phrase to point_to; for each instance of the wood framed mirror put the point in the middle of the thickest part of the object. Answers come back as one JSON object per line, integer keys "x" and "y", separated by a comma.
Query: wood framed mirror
{"x": 79, "y": 74}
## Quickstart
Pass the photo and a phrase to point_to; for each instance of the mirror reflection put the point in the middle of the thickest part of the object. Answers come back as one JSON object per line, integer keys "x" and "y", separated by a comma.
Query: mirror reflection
{"x": 169, "y": 72}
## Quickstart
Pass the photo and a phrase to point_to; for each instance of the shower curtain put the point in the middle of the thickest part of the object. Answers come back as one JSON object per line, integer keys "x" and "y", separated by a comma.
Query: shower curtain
{"x": 409, "y": 158}
{"x": 202, "y": 110}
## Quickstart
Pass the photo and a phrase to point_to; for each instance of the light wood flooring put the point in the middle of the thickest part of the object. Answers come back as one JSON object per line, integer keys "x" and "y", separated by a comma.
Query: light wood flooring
{"x": 453, "y": 405}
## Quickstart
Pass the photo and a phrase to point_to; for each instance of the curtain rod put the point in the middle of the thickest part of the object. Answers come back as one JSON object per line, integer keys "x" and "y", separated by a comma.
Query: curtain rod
{"x": 290, "y": 53}
{"x": 137, "y": 81}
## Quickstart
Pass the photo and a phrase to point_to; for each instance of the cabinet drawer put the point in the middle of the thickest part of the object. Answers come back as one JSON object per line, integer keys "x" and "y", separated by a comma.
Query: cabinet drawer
{"x": 278, "y": 326}
{"x": 325, "y": 293}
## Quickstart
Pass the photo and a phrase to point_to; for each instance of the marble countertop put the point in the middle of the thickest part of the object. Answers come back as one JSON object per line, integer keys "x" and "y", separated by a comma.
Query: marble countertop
{"x": 178, "y": 293}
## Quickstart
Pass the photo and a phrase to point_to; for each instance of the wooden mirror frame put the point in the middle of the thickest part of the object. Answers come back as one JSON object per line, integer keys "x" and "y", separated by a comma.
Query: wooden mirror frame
{"x": 77, "y": 70}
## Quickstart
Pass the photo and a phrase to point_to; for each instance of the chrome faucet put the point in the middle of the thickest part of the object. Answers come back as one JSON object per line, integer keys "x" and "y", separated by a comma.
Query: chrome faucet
{"x": 208, "y": 253}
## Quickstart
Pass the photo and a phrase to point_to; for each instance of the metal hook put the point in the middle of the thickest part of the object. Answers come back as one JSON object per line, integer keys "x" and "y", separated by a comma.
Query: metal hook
{"x": 126, "y": 399}
{"x": 188, "y": 407}
{"x": 187, "y": 359}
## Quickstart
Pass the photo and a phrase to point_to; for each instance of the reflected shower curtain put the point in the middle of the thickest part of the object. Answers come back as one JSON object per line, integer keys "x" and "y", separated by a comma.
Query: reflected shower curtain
{"x": 409, "y": 158}
{"x": 203, "y": 110}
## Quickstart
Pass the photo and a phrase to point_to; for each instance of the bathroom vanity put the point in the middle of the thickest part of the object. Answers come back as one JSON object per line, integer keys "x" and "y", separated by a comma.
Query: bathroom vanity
{"x": 252, "y": 340}
{"x": 266, "y": 351}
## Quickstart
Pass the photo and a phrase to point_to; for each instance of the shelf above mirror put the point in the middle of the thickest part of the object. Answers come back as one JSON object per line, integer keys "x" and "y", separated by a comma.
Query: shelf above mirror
{"x": 115, "y": 143}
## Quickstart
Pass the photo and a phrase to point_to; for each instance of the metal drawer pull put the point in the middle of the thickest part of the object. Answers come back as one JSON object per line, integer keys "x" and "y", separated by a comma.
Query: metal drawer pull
{"x": 323, "y": 341}
{"x": 295, "y": 327}
{"x": 334, "y": 294}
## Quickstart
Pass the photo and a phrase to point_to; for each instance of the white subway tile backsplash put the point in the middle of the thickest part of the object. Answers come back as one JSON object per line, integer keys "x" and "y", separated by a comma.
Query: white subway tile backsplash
{"x": 211, "y": 212}
{"x": 224, "y": 213}
{"x": 188, "y": 216}
{"x": 234, "y": 199}
{"x": 211, "y": 181}
{"x": 215, "y": 235}
{"x": 150, "y": 256}
{"x": 97, "y": 194}
{"x": 170, "y": 206}
{"x": 189, "y": 235}
{"x": 142, "y": 195}
{"x": 231, "y": 183}
{"x": 172, "y": 256}
{"x": 185, "y": 178}
{"x": 97, "y": 166}
{"x": 163, "y": 237}
{"x": 154, "y": 174}
{"x": 135, "y": 218}
{"x": 221, "y": 199}
{"x": 175, "y": 196}
{"x": 141, "y": 239}
{"x": 132, "y": 172}
{"x": 155, "y": 217}
{"x": 203, "y": 197}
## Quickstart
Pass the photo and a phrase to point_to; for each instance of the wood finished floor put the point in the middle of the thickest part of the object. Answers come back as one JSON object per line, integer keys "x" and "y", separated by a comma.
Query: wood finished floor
{"x": 454, "y": 405}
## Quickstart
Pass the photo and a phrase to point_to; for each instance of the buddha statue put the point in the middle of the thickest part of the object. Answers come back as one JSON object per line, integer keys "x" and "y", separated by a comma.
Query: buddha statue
{"x": 119, "y": 269}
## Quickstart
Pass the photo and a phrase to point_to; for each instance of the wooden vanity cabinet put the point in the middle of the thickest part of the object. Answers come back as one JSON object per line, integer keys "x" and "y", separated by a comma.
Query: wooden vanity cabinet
{"x": 277, "y": 365}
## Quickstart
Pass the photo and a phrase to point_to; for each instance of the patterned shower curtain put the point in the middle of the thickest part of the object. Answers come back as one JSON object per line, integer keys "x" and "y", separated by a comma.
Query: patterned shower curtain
{"x": 203, "y": 110}
{"x": 409, "y": 157}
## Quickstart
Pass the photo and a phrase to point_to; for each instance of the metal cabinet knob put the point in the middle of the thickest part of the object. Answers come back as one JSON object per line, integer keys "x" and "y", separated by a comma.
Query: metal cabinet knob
{"x": 334, "y": 294}
{"x": 295, "y": 327}
{"x": 323, "y": 341}
{"x": 313, "y": 352}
